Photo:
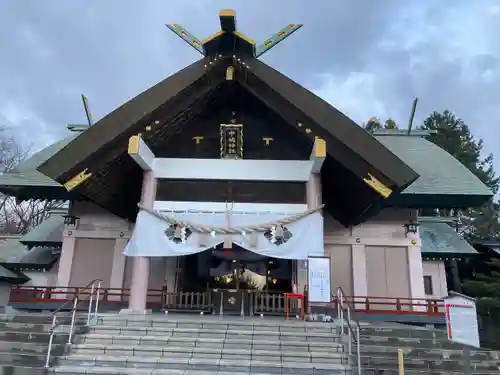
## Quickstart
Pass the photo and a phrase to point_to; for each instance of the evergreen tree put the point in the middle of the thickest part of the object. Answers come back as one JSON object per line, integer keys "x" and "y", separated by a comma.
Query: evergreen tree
{"x": 453, "y": 135}
{"x": 374, "y": 124}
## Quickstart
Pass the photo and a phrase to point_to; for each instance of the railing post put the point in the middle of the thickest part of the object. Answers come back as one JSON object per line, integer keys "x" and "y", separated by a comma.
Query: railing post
{"x": 89, "y": 312}
{"x": 72, "y": 325}
{"x": 349, "y": 333}
{"x": 97, "y": 298}
{"x": 358, "y": 348}
{"x": 51, "y": 339}
{"x": 429, "y": 306}
{"x": 401, "y": 362}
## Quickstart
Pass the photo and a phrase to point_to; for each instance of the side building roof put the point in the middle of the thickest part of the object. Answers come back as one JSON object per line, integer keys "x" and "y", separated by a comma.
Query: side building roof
{"x": 26, "y": 182}
{"x": 440, "y": 240}
{"x": 444, "y": 182}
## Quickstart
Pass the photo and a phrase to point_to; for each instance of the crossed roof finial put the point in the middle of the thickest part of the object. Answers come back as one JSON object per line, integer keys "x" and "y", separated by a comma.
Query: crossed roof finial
{"x": 229, "y": 41}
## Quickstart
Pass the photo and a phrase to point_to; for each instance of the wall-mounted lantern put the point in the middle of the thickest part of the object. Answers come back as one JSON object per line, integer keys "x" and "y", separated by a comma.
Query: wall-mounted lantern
{"x": 70, "y": 220}
{"x": 411, "y": 227}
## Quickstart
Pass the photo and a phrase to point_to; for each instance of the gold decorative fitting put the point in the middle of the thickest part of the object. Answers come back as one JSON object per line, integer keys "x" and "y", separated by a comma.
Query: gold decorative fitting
{"x": 229, "y": 73}
{"x": 227, "y": 13}
{"x": 231, "y": 141}
{"x": 378, "y": 186}
{"x": 413, "y": 242}
{"x": 77, "y": 180}
{"x": 308, "y": 131}
{"x": 198, "y": 139}
{"x": 320, "y": 150}
{"x": 267, "y": 140}
{"x": 133, "y": 144}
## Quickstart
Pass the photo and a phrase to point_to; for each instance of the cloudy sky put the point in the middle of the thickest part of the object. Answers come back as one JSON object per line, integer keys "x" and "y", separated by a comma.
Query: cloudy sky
{"x": 366, "y": 57}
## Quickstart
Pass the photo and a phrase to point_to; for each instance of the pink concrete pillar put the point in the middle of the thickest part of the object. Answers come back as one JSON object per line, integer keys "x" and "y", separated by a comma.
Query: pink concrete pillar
{"x": 140, "y": 269}
{"x": 313, "y": 199}
{"x": 416, "y": 273}
{"x": 313, "y": 190}
{"x": 66, "y": 261}
{"x": 359, "y": 280}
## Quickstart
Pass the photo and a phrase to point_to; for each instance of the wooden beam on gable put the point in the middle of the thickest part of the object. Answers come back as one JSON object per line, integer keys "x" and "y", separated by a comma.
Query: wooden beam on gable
{"x": 141, "y": 153}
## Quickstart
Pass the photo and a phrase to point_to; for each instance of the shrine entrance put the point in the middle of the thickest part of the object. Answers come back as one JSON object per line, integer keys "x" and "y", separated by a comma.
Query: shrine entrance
{"x": 239, "y": 277}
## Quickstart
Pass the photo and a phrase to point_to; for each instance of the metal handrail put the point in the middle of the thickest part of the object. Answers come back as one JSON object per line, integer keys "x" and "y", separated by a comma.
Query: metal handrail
{"x": 353, "y": 335}
{"x": 95, "y": 288}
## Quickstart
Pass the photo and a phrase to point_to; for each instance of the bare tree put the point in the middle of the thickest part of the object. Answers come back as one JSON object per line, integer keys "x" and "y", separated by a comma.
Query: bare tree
{"x": 18, "y": 217}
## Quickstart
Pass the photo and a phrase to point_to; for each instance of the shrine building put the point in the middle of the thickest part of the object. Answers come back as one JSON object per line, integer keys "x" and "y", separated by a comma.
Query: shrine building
{"x": 216, "y": 186}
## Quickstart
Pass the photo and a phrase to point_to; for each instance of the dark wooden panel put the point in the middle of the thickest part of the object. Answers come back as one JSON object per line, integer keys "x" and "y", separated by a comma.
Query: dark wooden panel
{"x": 231, "y": 191}
{"x": 258, "y": 122}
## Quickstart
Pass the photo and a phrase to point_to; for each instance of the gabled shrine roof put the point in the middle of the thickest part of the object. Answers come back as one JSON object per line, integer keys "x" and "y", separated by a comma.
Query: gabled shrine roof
{"x": 441, "y": 175}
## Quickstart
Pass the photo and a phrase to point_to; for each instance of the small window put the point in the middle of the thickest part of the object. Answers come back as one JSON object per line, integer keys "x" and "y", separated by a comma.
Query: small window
{"x": 428, "y": 285}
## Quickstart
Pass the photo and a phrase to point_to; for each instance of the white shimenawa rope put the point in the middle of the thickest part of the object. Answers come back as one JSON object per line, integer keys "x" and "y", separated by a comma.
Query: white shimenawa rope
{"x": 231, "y": 230}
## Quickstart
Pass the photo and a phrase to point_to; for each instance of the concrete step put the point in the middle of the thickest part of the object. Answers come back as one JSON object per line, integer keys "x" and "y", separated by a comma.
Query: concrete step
{"x": 77, "y": 370}
{"x": 41, "y": 338}
{"x": 257, "y": 342}
{"x": 214, "y": 333}
{"x": 21, "y": 370}
{"x": 373, "y": 371}
{"x": 39, "y": 318}
{"x": 432, "y": 353}
{"x": 402, "y": 331}
{"x": 221, "y": 352}
{"x": 274, "y": 366}
{"x": 21, "y": 359}
{"x": 217, "y": 323}
{"x": 69, "y": 370}
{"x": 402, "y": 342}
{"x": 427, "y": 364}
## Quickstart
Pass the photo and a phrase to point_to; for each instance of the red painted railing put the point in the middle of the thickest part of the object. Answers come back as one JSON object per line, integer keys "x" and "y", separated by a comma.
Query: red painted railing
{"x": 60, "y": 294}
{"x": 362, "y": 304}
{"x": 391, "y": 305}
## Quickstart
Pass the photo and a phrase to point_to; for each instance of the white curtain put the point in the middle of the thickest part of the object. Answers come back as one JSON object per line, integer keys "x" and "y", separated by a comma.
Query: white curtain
{"x": 149, "y": 238}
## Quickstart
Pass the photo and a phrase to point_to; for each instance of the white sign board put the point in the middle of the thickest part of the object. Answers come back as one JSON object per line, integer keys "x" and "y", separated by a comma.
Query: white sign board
{"x": 319, "y": 280}
{"x": 461, "y": 320}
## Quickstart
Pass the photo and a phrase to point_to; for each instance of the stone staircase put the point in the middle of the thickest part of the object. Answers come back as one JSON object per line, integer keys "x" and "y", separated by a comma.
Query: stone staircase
{"x": 196, "y": 345}
{"x": 426, "y": 351}
{"x": 24, "y": 340}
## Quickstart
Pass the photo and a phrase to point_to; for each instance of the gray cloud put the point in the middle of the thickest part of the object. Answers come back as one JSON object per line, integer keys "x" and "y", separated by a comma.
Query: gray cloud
{"x": 366, "y": 57}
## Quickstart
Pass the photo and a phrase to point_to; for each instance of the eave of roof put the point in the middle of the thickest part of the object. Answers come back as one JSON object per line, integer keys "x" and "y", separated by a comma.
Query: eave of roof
{"x": 440, "y": 239}
{"x": 346, "y": 141}
{"x": 26, "y": 181}
{"x": 12, "y": 277}
{"x": 120, "y": 123}
{"x": 49, "y": 232}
